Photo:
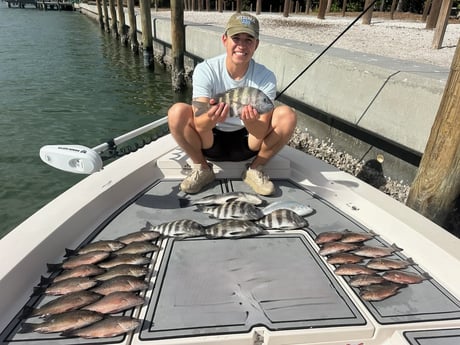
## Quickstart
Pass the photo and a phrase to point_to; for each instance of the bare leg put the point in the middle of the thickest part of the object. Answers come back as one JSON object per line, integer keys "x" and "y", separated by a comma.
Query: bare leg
{"x": 282, "y": 126}
{"x": 181, "y": 125}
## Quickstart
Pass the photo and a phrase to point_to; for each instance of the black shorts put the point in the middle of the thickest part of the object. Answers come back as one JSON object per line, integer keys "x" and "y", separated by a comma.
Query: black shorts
{"x": 229, "y": 146}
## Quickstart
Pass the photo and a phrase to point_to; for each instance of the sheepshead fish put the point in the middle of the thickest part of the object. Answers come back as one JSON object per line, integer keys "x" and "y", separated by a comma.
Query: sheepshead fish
{"x": 403, "y": 277}
{"x": 178, "y": 228}
{"x": 233, "y": 210}
{"x": 121, "y": 283}
{"x": 219, "y": 199}
{"x": 123, "y": 270}
{"x": 282, "y": 219}
{"x": 115, "y": 302}
{"x": 65, "y": 322}
{"x": 110, "y": 326}
{"x": 63, "y": 304}
{"x": 379, "y": 292}
{"x": 233, "y": 228}
{"x": 384, "y": 264}
{"x": 237, "y": 98}
{"x": 301, "y": 209}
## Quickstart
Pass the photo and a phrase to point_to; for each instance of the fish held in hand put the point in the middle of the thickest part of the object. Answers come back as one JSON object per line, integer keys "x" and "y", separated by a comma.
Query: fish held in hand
{"x": 233, "y": 228}
{"x": 282, "y": 219}
{"x": 220, "y": 199}
{"x": 64, "y": 322}
{"x": 233, "y": 210}
{"x": 237, "y": 99}
{"x": 301, "y": 209}
{"x": 182, "y": 228}
{"x": 110, "y": 326}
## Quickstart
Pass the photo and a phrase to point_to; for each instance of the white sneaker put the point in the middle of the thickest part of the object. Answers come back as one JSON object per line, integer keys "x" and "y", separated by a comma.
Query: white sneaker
{"x": 197, "y": 179}
{"x": 258, "y": 181}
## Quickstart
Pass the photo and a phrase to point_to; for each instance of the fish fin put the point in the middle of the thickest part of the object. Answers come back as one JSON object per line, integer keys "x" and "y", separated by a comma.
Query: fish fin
{"x": 148, "y": 226}
{"x": 396, "y": 248}
{"x": 53, "y": 267}
{"x": 410, "y": 261}
{"x": 200, "y": 108}
{"x": 70, "y": 252}
{"x": 199, "y": 208}
{"x": 426, "y": 276}
{"x": 184, "y": 202}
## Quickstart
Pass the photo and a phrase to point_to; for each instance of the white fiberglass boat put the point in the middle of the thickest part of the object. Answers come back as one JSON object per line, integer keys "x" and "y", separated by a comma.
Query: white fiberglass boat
{"x": 275, "y": 288}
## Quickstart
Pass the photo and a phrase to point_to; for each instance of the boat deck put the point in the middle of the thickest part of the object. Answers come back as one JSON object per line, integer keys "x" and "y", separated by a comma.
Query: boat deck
{"x": 265, "y": 290}
{"x": 278, "y": 281}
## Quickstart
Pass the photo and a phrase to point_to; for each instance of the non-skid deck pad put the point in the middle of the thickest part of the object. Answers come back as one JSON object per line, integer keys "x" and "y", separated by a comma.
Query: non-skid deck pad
{"x": 227, "y": 286}
{"x": 434, "y": 337}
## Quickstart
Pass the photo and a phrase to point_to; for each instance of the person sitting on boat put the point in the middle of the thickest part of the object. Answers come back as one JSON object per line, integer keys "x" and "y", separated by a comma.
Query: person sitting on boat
{"x": 217, "y": 136}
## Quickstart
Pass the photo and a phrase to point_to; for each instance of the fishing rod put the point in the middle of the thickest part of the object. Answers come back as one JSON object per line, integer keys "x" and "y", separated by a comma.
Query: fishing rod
{"x": 327, "y": 48}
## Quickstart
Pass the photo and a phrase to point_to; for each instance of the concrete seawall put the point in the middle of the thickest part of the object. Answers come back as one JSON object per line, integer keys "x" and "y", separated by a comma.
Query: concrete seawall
{"x": 393, "y": 99}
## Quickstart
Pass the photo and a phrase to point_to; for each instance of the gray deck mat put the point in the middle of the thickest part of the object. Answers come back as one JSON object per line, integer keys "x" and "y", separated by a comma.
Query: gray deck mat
{"x": 434, "y": 337}
{"x": 262, "y": 262}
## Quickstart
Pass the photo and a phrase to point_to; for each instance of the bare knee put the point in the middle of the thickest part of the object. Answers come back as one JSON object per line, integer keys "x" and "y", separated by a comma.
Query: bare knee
{"x": 284, "y": 119}
{"x": 179, "y": 115}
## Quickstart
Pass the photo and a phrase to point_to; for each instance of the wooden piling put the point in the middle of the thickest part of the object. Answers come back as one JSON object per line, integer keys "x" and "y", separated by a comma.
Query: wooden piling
{"x": 441, "y": 24}
{"x": 113, "y": 18}
{"x": 437, "y": 183}
{"x": 178, "y": 45}
{"x": 132, "y": 34}
{"x": 106, "y": 16}
{"x": 122, "y": 28}
{"x": 100, "y": 15}
{"x": 146, "y": 27}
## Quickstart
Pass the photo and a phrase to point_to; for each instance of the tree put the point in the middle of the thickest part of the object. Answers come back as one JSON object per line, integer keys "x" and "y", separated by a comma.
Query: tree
{"x": 437, "y": 183}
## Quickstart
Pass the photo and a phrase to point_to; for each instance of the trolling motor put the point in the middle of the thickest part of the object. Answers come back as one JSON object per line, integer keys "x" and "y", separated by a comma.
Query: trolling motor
{"x": 77, "y": 159}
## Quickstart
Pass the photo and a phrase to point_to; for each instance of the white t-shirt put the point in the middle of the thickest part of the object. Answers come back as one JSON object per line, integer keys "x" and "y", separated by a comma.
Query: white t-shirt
{"x": 211, "y": 77}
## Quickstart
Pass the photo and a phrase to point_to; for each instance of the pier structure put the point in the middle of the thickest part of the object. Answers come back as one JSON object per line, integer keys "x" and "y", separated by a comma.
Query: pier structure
{"x": 59, "y": 5}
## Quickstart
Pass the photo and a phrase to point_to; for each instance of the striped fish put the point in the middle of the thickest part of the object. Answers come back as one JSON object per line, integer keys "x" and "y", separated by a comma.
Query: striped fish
{"x": 237, "y": 98}
{"x": 233, "y": 210}
{"x": 219, "y": 199}
{"x": 233, "y": 228}
{"x": 282, "y": 219}
{"x": 182, "y": 228}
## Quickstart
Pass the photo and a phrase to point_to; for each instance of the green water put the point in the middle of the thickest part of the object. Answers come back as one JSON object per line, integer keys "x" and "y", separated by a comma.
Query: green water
{"x": 64, "y": 81}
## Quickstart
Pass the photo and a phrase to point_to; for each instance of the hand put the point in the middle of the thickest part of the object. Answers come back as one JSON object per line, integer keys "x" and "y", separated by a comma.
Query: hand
{"x": 218, "y": 111}
{"x": 248, "y": 113}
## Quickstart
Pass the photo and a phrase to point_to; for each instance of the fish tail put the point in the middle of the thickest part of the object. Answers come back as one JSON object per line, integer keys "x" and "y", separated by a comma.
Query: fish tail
{"x": 27, "y": 327}
{"x": 45, "y": 281}
{"x": 27, "y": 312}
{"x": 396, "y": 248}
{"x": 38, "y": 290}
{"x": 53, "y": 267}
{"x": 148, "y": 226}
{"x": 184, "y": 202}
{"x": 70, "y": 252}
